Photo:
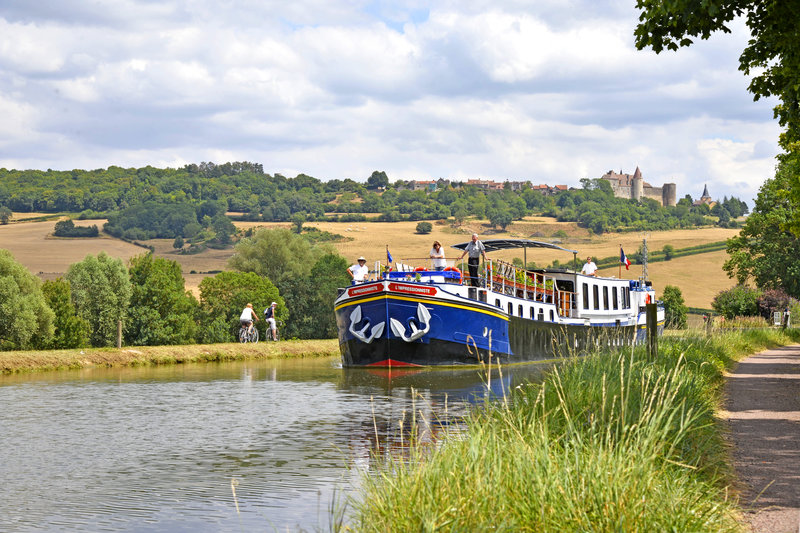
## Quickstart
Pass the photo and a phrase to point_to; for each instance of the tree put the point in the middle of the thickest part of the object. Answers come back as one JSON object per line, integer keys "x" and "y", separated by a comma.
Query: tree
{"x": 101, "y": 292}
{"x": 277, "y": 254}
{"x": 424, "y": 227}
{"x": 327, "y": 275}
{"x": 161, "y": 311}
{"x": 770, "y": 56}
{"x": 5, "y": 215}
{"x": 223, "y": 297}
{"x": 310, "y": 299}
{"x": 377, "y": 180}
{"x": 669, "y": 251}
{"x": 771, "y": 301}
{"x": 289, "y": 260}
{"x": 71, "y": 331}
{"x": 178, "y": 243}
{"x": 501, "y": 217}
{"x": 674, "y": 308}
{"x": 26, "y": 321}
{"x": 223, "y": 228}
{"x": 67, "y": 228}
{"x": 737, "y": 301}
{"x": 766, "y": 250}
{"x": 297, "y": 221}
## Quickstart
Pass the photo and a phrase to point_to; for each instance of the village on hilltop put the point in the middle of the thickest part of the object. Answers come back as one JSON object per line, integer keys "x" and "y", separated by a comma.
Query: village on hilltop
{"x": 623, "y": 185}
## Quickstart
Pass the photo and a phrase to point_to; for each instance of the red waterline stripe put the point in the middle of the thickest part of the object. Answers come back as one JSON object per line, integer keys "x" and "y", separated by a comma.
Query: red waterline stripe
{"x": 391, "y": 362}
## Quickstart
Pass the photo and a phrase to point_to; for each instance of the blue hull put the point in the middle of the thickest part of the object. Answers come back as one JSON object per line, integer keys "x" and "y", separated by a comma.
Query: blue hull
{"x": 401, "y": 324}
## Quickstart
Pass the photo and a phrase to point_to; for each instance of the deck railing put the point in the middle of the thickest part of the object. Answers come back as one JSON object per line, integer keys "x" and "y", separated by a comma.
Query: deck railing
{"x": 500, "y": 276}
{"x": 506, "y": 278}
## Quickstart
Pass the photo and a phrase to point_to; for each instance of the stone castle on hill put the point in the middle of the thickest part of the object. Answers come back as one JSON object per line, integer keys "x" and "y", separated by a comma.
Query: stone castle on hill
{"x": 635, "y": 188}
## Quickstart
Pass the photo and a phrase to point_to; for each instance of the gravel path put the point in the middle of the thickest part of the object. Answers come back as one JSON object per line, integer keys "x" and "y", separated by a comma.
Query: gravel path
{"x": 763, "y": 407}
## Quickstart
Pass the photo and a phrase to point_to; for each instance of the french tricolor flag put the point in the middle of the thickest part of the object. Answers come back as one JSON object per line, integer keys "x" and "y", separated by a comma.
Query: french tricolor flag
{"x": 624, "y": 259}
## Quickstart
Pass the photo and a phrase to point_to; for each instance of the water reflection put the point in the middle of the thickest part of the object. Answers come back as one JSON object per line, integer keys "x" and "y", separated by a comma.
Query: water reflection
{"x": 155, "y": 449}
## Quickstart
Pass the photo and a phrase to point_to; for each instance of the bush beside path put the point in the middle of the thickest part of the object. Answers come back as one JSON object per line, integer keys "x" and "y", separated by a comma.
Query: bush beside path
{"x": 763, "y": 408}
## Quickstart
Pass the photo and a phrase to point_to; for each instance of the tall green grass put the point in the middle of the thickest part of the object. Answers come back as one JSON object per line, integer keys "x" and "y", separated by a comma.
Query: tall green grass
{"x": 608, "y": 442}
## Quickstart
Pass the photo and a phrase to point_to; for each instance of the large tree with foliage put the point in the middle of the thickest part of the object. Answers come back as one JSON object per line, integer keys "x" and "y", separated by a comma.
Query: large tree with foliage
{"x": 224, "y": 296}
{"x": 378, "y": 180}
{"x": 71, "y": 331}
{"x": 101, "y": 291}
{"x": 161, "y": 310}
{"x": 312, "y": 297}
{"x": 305, "y": 274}
{"x": 766, "y": 251}
{"x": 26, "y": 321}
{"x": 278, "y": 254}
{"x": 772, "y": 55}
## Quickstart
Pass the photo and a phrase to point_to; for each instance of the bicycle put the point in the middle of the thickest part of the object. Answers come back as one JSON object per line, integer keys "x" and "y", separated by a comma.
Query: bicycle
{"x": 269, "y": 333}
{"x": 245, "y": 336}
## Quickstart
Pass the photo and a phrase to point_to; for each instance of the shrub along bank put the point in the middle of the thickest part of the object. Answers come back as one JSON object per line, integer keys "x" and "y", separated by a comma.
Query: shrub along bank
{"x": 609, "y": 442}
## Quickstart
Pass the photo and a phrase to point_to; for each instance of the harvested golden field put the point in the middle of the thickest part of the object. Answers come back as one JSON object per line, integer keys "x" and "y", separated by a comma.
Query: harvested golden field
{"x": 33, "y": 245}
{"x": 699, "y": 277}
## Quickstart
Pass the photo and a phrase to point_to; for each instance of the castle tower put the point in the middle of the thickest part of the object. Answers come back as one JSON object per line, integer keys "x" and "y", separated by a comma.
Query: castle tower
{"x": 669, "y": 193}
{"x": 637, "y": 186}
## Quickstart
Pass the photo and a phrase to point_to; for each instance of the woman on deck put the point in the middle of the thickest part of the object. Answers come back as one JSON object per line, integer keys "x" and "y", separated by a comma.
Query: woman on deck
{"x": 437, "y": 255}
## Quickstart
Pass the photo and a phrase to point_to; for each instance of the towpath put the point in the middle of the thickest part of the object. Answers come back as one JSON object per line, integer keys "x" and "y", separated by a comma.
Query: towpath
{"x": 763, "y": 406}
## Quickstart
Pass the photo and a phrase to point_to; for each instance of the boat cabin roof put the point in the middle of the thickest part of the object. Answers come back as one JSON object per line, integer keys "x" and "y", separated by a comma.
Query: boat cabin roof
{"x": 493, "y": 245}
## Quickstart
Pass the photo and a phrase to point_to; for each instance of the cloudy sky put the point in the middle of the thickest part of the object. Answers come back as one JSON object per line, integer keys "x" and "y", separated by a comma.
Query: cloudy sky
{"x": 551, "y": 91}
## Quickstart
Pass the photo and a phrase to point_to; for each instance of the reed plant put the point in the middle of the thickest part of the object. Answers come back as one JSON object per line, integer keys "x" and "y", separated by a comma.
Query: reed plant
{"x": 608, "y": 442}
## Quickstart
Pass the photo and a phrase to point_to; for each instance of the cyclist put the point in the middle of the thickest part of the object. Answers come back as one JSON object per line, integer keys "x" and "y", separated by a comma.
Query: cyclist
{"x": 269, "y": 315}
{"x": 247, "y": 317}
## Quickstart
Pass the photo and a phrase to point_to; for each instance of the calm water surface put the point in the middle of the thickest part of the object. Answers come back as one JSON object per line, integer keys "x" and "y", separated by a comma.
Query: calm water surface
{"x": 156, "y": 449}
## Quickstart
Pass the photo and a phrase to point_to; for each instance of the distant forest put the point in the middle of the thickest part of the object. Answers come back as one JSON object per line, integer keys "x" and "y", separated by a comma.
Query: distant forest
{"x": 182, "y": 203}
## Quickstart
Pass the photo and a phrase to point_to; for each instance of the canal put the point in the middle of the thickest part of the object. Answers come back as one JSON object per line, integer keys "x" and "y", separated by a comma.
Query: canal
{"x": 166, "y": 448}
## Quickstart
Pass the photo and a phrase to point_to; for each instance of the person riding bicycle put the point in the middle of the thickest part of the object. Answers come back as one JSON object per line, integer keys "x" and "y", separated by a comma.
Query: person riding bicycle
{"x": 247, "y": 317}
{"x": 269, "y": 315}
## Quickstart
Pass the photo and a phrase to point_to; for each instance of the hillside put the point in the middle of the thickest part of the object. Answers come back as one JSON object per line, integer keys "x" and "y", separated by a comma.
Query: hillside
{"x": 699, "y": 277}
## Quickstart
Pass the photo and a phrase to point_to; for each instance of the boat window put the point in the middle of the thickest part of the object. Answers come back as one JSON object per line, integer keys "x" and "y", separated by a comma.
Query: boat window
{"x": 596, "y": 296}
{"x": 510, "y": 308}
{"x": 614, "y": 296}
{"x": 626, "y": 297}
{"x": 605, "y": 298}
{"x": 586, "y": 296}
{"x": 497, "y": 303}
{"x": 519, "y": 310}
{"x": 552, "y": 316}
{"x": 533, "y": 313}
{"x": 541, "y": 314}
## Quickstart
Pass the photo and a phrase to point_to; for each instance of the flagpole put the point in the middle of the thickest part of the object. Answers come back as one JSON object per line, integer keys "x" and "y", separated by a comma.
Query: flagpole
{"x": 620, "y": 262}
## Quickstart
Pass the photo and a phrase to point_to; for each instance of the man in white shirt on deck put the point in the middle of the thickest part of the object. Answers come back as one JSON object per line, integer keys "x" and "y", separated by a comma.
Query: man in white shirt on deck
{"x": 589, "y": 268}
{"x": 359, "y": 272}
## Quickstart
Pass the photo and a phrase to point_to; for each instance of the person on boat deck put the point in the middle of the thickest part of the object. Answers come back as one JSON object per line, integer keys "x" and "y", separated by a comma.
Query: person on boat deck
{"x": 475, "y": 249}
{"x": 590, "y": 269}
{"x": 437, "y": 254}
{"x": 359, "y": 272}
{"x": 247, "y": 317}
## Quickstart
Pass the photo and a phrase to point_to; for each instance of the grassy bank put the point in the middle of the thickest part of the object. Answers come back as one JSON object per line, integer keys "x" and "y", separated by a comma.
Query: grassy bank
{"x": 31, "y": 361}
{"x": 611, "y": 442}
